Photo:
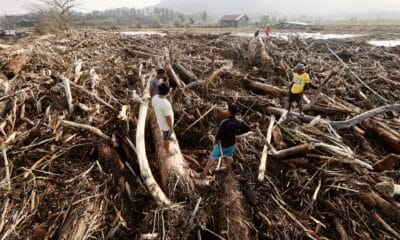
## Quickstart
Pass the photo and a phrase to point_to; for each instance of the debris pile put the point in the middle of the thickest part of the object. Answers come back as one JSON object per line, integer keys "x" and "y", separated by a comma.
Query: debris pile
{"x": 80, "y": 158}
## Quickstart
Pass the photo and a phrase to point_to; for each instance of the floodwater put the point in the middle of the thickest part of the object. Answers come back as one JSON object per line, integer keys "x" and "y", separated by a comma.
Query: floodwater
{"x": 303, "y": 35}
{"x": 143, "y": 33}
{"x": 385, "y": 43}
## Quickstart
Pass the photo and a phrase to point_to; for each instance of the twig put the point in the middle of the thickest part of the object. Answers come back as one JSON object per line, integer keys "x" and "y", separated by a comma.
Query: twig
{"x": 355, "y": 75}
{"x": 200, "y": 118}
{"x": 68, "y": 93}
{"x": 386, "y": 226}
{"x": 86, "y": 127}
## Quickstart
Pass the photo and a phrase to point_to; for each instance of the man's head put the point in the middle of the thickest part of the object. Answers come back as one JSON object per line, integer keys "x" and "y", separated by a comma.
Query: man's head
{"x": 160, "y": 73}
{"x": 163, "y": 89}
{"x": 299, "y": 69}
{"x": 232, "y": 109}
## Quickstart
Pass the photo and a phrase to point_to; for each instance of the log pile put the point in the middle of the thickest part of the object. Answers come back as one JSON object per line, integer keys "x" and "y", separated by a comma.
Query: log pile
{"x": 72, "y": 106}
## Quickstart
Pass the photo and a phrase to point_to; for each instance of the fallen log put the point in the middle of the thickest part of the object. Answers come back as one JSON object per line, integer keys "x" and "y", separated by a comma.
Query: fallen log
{"x": 264, "y": 88}
{"x": 391, "y": 140}
{"x": 263, "y": 161}
{"x": 173, "y": 167}
{"x": 296, "y": 150}
{"x": 387, "y": 163}
{"x": 15, "y": 65}
{"x": 373, "y": 200}
{"x": 388, "y": 189}
{"x": 144, "y": 166}
{"x": 345, "y": 123}
{"x": 231, "y": 220}
{"x": 185, "y": 74}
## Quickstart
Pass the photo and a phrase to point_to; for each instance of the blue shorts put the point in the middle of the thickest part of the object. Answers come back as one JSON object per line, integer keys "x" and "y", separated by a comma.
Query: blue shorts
{"x": 227, "y": 152}
{"x": 166, "y": 135}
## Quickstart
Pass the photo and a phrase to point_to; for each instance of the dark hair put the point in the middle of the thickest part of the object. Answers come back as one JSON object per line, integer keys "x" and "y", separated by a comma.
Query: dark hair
{"x": 163, "y": 89}
{"x": 232, "y": 109}
{"x": 160, "y": 71}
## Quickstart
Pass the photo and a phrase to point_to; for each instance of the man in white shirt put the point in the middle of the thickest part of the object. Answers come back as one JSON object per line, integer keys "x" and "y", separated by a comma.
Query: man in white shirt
{"x": 164, "y": 113}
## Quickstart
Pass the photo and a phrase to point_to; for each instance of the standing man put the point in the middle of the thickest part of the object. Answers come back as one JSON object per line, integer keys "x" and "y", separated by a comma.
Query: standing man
{"x": 164, "y": 114}
{"x": 225, "y": 139}
{"x": 256, "y": 33}
{"x": 267, "y": 33}
{"x": 155, "y": 82}
{"x": 300, "y": 82}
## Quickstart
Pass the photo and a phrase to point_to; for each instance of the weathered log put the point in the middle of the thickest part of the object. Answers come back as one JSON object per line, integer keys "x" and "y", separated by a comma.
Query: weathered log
{"x": 296, "y": 150}
{"x": 345, "y": 123}
{"x": 373, "y": 200}
{"x": 185, "y": 74}
{"x": 263, "y": 161}
{"x": 15, "y": 65}
{"x": 391, "y": 141}
{"x": 278, "y": 138}
{"x": 145, "y": 170}
{"x": 172, "y": 166}
{"x": 387, "y": 163}
{"x": 231, "y": 220}
{"x": 388, "y": 189}
{"x": 264, "y": 88}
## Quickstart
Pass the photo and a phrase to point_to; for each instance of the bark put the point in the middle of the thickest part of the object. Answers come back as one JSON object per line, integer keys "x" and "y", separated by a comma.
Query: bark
{"x": 264, "y": 88}
{"x": 231, "y": 218}
{"x": 391, "y": 140}
{"x": 387, "y": 163}
{"x": 14, "y": 66}
{"x": 185, "y": 74}
{"x": 342, "y": 124}
{"x": 373, "y": 200}
{"x": 296, "y": 150}
{"x": 145, "y": 171}
{"x": 173, "y": 167}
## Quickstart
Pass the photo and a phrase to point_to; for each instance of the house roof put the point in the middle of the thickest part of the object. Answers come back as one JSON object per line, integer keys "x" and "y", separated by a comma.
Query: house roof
{"x": 234, "y": 17}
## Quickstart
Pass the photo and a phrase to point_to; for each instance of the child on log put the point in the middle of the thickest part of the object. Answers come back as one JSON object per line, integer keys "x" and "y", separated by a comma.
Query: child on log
{"x": 155, "y": 82}
{"x": 300, "y": 83}
{"x": 225, "y": 139}
{"x": 164, "y": 114}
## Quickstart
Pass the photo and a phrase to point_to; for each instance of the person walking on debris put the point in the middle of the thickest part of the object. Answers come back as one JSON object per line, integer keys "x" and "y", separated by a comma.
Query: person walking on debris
{"x": 164, "y": 114}
{"x": 300, "y": 82}
{"x": 267, "y": 33}
{"x": 226, "y": 138}
{"x": 256, "y": 33}
{"x": 155, "y": 82}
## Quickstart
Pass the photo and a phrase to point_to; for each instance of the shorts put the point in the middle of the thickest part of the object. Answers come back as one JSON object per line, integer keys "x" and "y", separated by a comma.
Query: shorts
{"x": 295, "y": 97}
{"x": 166, "y": 135}
{"x": 227, "y": 152}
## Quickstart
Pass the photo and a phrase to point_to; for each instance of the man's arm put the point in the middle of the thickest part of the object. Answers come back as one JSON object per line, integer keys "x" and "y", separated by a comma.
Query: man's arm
{"x": 244, "y": 128}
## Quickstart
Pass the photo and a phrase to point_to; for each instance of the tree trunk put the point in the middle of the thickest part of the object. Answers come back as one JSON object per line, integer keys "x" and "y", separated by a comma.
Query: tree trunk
{"x": 391, "y": 140}
{"x": 16, "y": 64}
{"x": 185, "y": 74}
{"x": 264, "y": 88}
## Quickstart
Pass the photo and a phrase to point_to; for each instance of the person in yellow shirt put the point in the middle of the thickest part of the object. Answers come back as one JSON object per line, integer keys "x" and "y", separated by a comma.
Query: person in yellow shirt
{"x": 300, "y": 82}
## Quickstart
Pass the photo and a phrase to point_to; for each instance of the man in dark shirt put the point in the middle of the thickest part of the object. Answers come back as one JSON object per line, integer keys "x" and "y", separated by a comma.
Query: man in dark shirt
{"x": 154, "y": 83}
{"x": 226, "y": 139}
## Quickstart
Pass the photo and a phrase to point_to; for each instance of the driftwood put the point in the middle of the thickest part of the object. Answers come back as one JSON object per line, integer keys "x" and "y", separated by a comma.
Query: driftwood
{"x": 345, "y": 123}
{"x": 185, "y": 74}
{"x": 263, "y": 161}
{"x": 391, "y": 139}
{"x": 15, "y": 65}
{"x": 172, "y": 166}
{"x": 145, "y": 170}
{"x": 264, "y": 88}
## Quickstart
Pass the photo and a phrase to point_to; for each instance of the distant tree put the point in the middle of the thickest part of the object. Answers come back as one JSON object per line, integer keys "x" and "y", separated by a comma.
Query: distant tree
{"x": 204, "y": 17}
{"x": 181, "y": 18}
{"x": 54, "y": 14}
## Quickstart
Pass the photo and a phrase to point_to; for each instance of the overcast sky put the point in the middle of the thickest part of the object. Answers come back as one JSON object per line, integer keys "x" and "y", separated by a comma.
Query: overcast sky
{"x": 319, "y": 7}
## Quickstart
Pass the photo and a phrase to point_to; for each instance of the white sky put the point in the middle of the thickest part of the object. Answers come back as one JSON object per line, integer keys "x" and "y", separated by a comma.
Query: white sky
{"x": 17, "y": 6}
{"x": 282, "y": 6}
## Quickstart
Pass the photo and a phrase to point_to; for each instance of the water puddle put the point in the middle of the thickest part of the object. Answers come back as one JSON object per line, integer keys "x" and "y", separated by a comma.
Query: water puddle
{"x": 385, "y": 43}
{"x": 302, "y": 35}
{"x": 143, "y": 33}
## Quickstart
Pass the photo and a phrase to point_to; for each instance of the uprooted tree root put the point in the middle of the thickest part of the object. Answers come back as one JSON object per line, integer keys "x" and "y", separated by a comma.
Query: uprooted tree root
{"x": 69, "y": 109}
